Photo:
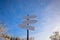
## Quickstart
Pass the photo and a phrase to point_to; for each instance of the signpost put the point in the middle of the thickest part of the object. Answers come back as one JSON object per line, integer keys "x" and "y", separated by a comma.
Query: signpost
{"x": 26, "y": 24}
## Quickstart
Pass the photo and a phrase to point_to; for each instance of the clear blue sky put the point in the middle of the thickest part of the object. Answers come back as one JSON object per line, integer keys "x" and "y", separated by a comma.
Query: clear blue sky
{"x": 12, "y": 11}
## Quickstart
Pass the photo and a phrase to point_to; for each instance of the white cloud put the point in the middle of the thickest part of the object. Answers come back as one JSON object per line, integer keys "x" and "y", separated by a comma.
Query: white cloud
{"x": 51, "y": 21}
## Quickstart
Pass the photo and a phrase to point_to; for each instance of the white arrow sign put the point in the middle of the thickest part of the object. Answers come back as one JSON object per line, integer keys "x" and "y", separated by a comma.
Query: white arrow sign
{"x": 29, "y": 21}
{"x": 26, "y": 27}
{"x": 29, "y": 17}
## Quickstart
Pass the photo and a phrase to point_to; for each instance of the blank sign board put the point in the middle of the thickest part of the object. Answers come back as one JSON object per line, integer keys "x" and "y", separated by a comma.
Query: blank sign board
{"x": 27, "y": 27}
{"x": 29, "y": 17}
{"x": 29, "y": 21}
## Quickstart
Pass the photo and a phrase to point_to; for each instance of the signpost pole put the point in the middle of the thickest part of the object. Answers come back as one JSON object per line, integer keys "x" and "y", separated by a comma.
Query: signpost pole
{"x": 27, "y": 34}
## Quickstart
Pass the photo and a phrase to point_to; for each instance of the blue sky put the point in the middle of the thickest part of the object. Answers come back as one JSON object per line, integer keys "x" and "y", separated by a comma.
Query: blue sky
{"x": 47, "y": 12}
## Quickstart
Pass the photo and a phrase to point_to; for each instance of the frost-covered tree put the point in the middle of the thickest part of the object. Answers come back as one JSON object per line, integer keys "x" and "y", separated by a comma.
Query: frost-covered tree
{"x": 55, "y": 36}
